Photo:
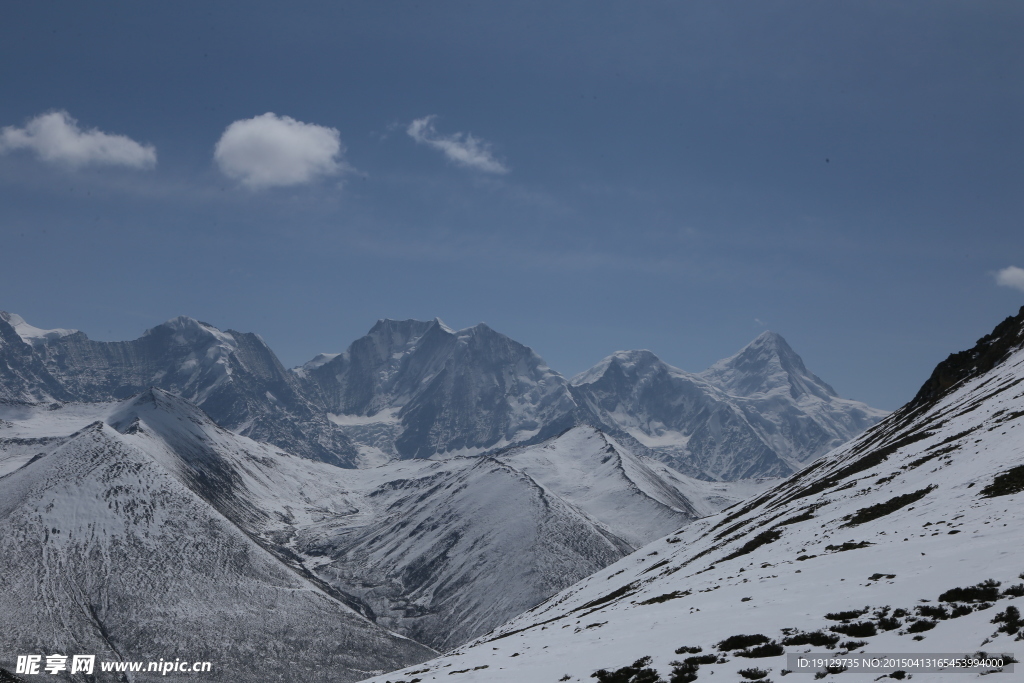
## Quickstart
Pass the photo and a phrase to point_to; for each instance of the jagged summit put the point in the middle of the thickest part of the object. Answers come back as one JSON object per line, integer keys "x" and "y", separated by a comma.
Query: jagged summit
{"x": 765, "y": 365}
{"x": 626, "y": 362}
{"x": 441, "y": 392}
{"x": 420, "y": 389}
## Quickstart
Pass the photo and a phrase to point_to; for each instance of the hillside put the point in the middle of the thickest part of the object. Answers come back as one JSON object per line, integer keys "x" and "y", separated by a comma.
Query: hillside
{"x": 904, "y": 540}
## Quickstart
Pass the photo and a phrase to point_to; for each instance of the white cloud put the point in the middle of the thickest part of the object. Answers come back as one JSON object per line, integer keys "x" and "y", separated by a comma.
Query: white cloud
{"x": 1011, "y": 276}
{"x": 56, "y": 137}
{"x": 270, "y": 150}
{"x": 462, "y": 148}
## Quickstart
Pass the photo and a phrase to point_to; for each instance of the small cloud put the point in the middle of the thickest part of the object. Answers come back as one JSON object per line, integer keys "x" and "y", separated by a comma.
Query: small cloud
{"x": 462, "y": 148}
{"x": 1011, "y": 276}
{"x": 56, "y": 137}
{"x": 271, "y": 150}
{"x": 760, "y": 323}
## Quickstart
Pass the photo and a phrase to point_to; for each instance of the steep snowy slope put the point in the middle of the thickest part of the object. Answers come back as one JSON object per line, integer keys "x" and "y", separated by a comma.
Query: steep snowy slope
{"x": 906, "y": 540}
{"x": 232, "y": 375}
{"x": 441, "y": 551}
{"x": 105, "y": 548}
{"x": 758, "y": 413}
{"x": 23, "y": 377}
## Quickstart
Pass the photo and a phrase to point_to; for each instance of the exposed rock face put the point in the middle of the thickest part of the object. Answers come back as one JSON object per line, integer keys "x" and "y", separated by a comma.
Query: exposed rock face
{"x": 462, "y": 392}
{"x": 1008, "y": 336}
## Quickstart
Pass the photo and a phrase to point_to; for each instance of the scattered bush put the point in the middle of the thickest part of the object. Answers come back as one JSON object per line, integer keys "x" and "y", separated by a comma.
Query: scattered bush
{"x": 615, "y": 594}
{"x": 882, "y": 509}
{"x": 767, "y": 650}
{"x": 815, "y": 638}
{"x": 921, "y": 626}
{"x": 753, "y": 674}
{"x": 809, "y": 514}
{"x": 684, "y": 673}
{"x": 739, "y": 641}
{"x": 846, "y": 616}
{"x": 898, "y": 675}
{"x": 685, "y": 649}
{"x": 637, "y": 672}
{"x": 984, "y": 591}
{"x": 1011, "y": 481}
{"x": 763, "y": 538}
{"x": 960, "y": 611}
{"x": 665, "y": 597}
{"x": 889, "y": 623}
{"x": 899, "y": 612}
{"x": 1016, "y": 591}
{"x": 1010, "y": 620}
{"x": 862, "y": 629}
{"x": 876, "y": 577}
{"x": 848, "y": 545}
{"x": 853, "y": 644}
{"x": 933, "y": 611}
{"x": 709, "y": 658}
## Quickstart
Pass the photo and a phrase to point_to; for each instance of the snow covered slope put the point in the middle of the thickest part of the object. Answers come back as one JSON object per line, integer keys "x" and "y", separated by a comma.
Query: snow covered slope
{"x": 441, "y": 551}
{"x": 758, "y": 413}
{"x": 906, "y": 540}
{"x": 107, "y": 547}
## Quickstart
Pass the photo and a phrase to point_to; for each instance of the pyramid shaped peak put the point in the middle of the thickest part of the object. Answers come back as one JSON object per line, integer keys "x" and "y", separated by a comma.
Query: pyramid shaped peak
{"x": 766, "y": 364}
{"x": 624, "y": 362}
{"x": 187, "y": 330}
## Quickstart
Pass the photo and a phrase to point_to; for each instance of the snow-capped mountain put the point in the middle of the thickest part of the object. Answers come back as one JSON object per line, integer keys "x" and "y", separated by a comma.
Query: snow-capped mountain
{"x": 758, "y": 413}
{"x": 232, "y": 375}
{"x": 112, "y": 543}
{"x": 439, "y": 551}
{"x": 905, "y": 540}
{"x": 446, "y": 392}
{"x": 418, "y": 389}
{"x": 23, "y": 377}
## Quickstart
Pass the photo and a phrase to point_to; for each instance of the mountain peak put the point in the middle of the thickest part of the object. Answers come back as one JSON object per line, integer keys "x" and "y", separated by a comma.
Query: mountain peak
{"x": 625, "y": 362}
{"x": 29, "y": 333}
{"x": 767, "y": 364}
{"x": 186, "y": 330}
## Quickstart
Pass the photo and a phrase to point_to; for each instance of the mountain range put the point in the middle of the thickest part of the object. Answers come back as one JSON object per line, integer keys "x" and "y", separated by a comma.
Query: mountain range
{"x": 904, "y": 540}
{"x": 139, "y": 529}
{"x": 418, "y": 389}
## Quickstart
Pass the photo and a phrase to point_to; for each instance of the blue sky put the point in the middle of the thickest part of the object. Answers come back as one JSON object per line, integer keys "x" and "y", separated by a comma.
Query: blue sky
{"x": 583, "y": 176}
